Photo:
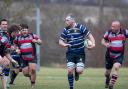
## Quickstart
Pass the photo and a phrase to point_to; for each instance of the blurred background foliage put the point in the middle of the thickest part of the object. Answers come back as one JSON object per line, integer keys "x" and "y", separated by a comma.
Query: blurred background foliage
{"x": 95, "y": 14}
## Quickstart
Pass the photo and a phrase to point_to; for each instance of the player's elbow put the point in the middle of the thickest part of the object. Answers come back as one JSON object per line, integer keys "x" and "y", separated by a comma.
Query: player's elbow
{"x": 60, "y": 42}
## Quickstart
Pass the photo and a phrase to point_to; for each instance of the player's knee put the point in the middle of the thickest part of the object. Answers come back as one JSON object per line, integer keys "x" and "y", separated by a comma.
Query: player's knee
{"x": 71, "y": 67}
{"x": 70, "y": 71}
{"x": 33, "y": 71}
{"x": 26, "y": 75}
{"x": 16, "y": 71}
{"x": 80, "y": 67}
{"x": 116, "y": 66}
{"x": 80, "y": 70}
{"x": 107, "y": 73}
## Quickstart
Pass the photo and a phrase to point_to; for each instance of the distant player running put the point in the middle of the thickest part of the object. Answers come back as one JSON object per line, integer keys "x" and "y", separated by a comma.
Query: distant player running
{"x": 73, "y": 37}
{"x": 114, "y": 40}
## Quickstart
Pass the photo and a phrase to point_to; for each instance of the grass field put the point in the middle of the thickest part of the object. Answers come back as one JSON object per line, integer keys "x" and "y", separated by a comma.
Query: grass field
{"x": 55, "y": 78}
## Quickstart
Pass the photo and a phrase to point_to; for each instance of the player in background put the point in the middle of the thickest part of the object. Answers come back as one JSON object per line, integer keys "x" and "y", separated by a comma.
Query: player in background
{"x": 114, "y": 41}
{"x": 13, "y": 31}
{"x": 5, "y": 50}
{"x": 5, "y": 41}
{"x": 26, "y": 43}
{"x": 73, "y": 37}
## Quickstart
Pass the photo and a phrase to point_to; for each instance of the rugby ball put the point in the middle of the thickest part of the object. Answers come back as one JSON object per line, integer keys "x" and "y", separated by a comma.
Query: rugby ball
{"x": 88, "y": 43}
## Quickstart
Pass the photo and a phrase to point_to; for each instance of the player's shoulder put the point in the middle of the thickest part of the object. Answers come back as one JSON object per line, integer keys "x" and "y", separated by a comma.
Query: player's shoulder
{"x": 67, "y": 28}
{"x": 79, "y": 25}
{"x": 124, "y": 31}
{"x": 108, "y": 31}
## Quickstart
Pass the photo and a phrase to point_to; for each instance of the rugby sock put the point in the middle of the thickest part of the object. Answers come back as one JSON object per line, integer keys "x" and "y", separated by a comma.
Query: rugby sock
{"x": 107, "y": 79}
{"x": 32, "y": 82}
{"x": 12, "y": 77}
{"x": 71, "y": 80}
{"x": 113, "y": 79}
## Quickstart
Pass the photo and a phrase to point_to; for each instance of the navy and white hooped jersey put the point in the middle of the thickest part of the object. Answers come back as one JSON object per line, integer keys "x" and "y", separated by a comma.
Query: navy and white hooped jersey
{"x": 76, "y": 37}
{"x": 116, "y": 41}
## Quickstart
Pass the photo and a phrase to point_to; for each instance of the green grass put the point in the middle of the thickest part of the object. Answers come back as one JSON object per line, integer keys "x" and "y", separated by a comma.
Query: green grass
{"x": 55, "y": 78}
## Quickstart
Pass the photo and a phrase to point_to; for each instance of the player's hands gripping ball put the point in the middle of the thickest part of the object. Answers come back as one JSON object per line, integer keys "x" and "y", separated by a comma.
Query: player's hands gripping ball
{"x": 88, "y": 43}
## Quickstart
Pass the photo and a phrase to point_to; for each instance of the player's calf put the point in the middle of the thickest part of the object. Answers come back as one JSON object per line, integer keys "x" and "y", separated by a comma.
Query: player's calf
{"x": 76, "y": 75}
{"x": 107, "y": 80}
{"x": 79, "y": 70}
{"x": 110, "y": 87}
{"x": 70, "y": 78}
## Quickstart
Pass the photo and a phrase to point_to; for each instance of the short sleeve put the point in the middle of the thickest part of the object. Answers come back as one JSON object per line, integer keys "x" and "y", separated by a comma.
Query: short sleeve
{"x": 35, "y": 36}
{"x": 84, "y": 30}
{"x": 63, "y": 35}
{"x": 106, "y": 36}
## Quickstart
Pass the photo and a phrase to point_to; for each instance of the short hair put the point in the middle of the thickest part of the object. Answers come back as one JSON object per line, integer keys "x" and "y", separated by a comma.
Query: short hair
{"x": 70, "y": 17}
{"x": 23, "y": 26}
{"x": 116, "y": 22}
{"x": 3, "y": 20}
{"x": 13, "y": 28}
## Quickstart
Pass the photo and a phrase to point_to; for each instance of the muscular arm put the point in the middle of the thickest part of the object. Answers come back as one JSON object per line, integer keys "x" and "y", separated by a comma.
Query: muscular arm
{"x": 105, "y": 43}
{"x": 91, "y": 38}
{"x": 38, "y": 41}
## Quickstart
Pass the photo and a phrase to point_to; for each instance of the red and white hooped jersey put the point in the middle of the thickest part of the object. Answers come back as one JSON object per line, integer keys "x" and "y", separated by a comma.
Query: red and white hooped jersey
{"x": 116, "y": 41}
{"x": 27, "y": 48}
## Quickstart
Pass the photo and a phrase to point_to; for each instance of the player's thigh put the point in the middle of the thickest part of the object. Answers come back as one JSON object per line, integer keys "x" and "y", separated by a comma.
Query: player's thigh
{"x": 80, "y": 62}
{"x": 6, "y": 61}
{"x": 25, "y": 68}
{"x": 32, "y": 66}
{"x": 108, "y": 63}
{"x": 70, "y": 62}
{"x": 107, "y": 72}
{"x": 118, "y": 62}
